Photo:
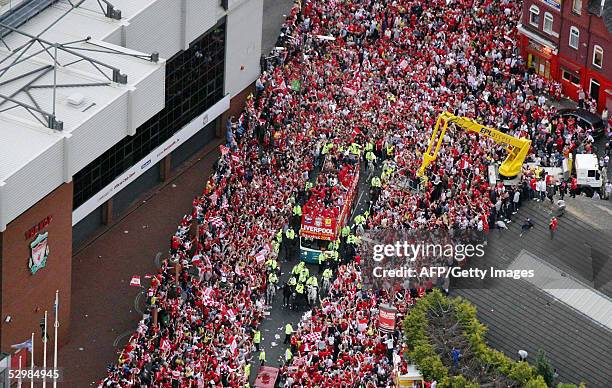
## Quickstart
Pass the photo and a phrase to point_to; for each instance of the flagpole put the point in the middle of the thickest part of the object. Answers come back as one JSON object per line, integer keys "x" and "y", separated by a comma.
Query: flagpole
{"x": 19, "y": 378}
{"x": 44, "y": 384}
{"x": 32, "y": 364}
{"x": 56, "y": 325}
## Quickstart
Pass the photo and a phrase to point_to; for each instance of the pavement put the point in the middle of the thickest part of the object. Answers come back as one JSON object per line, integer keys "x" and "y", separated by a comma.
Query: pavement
{"x": 520, "y": 315}
{"x": 105, "y": 309}
{"x": 274, "y": 16}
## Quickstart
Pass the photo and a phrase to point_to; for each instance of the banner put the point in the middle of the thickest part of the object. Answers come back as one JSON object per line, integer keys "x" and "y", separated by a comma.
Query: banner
{"x": 386, "y": 317}
{"x": 132, "y": 173}
{"x": 556, "y": 4}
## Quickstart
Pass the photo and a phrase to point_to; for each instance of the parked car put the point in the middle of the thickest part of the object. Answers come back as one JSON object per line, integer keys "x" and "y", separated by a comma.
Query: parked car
{"x": 585, "y": 119}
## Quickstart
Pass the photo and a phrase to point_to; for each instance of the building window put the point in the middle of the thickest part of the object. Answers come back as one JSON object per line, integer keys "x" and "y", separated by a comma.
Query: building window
{"x": 570, "y": 77}
{"x": 597, "y": 56}
{"x": 577, "y": 6}
{"x": 534, "y": 16}
{"x": 574, "y": 37}
{"x": 194, "y": 83}
{"x": 548, "y": 23}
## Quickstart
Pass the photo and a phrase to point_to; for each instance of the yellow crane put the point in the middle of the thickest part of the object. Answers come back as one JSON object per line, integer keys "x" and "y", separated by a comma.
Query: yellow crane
{"x": 517, "y": 147}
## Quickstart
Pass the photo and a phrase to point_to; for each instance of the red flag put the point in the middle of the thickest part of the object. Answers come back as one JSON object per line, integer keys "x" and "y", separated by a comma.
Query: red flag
{"x": 135, "y": 281}
{"x": 224, "y": 150}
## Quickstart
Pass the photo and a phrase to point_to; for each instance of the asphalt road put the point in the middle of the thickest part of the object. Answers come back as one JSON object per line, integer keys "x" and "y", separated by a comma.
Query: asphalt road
{"x": 274, "y": 14}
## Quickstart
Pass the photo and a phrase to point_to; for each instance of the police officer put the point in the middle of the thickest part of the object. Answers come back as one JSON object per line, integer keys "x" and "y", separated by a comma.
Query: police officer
{"x": 389, "y": 151}
{"x": 312, "y": 281}
{"x": 271, "y": 265}
{"x": 299, "y": 290}
{"x": 375, "y": 184}
{"x": 292, "y": 281}
{"x": 297, "y": 214}
{"x": 304, "y": 275}
{"x": 359, "y": 220}
{"x": 257, "y": 339}
{"x": 327, "y": 274}
{"x": 322, "y": 258}
{"x": 289, "y": 243}
{"x": 371, "y": 159}
{"x": 288, "y": 356}
{"x": 262, "y": 357}
{"x": 346, "y": 230}
{"x": 288, "y": 333}
{"x": 273, "y": 279}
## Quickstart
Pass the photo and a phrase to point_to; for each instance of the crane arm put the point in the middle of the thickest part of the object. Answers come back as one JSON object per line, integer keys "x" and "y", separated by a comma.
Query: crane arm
{"x": 517, "y": 147}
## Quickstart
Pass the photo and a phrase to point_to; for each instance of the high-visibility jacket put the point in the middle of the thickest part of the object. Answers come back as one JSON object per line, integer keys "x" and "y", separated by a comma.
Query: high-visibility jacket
{"x": 262, "y": 356}
{"x": 290, "y": 234}
{"x": 299, "y": 288}
{"x": 288, "y": 355}
{"x": 279, "y": 235}
{"x": 327, "y": 274}
{"x": 303, "y": 277}
{"x": 257, "y": 337}
{"x": 370, "y": 156}
{"x": 288, "y": 329}
{"x": 296, "y": 269}
{"x": 276, "y": 246}
{"x": 297, "y": 210}
{"x": 308, "y": 185}
{"x": 312, "y": 281}
{"x": 322, "y": 258}
{"x": 335, "y": 255}
{"x": 333, "y": 245}
{"x": 346, "y": 230}
{"x": 271, "y": 263}
{"x": 389, "y": 150}
{"x": 273, "y": 278}
{"x": 292, "y": 281}
{"x": 376, "y": 182}
{"x": 359, "y": 219}
{"x": 369, "y": 146}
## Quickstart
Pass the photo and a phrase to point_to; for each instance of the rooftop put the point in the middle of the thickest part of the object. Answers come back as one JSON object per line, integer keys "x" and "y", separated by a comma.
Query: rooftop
{"x": 63, "y": 88}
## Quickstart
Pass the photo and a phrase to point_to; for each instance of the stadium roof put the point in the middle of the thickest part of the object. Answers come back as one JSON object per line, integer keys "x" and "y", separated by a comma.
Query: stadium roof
{"x": 65, "y": 91}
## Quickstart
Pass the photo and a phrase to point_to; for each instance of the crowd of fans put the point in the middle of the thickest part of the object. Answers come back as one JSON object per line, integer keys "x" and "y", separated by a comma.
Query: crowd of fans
{"x": 340, "y": 344}
{"x": 353, "y": 76}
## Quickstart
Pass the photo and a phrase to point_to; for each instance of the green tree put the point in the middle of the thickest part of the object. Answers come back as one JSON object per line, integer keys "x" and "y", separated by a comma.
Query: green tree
{"x": 544, "y": 368}
{"x": 561, "y": 385}
{"x": 521, "y": 372}
{"x": 538, "y": 382}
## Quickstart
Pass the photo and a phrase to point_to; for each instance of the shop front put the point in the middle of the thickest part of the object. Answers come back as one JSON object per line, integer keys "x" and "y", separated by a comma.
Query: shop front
{"x": 542, "y": 59}
{"x": 539, "y": 53}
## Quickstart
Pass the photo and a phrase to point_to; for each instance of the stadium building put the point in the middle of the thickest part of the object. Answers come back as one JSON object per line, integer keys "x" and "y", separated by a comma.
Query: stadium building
{"x": 99, "y": 102}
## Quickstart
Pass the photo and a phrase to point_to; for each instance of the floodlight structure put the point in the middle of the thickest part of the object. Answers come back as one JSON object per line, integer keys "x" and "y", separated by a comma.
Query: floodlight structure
{"x": 71, "y": 55}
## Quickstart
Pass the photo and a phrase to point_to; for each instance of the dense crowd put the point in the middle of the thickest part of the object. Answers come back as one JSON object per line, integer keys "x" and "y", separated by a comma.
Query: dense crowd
{"x": 354, "y": 77}
{"x": 340, "y": 343}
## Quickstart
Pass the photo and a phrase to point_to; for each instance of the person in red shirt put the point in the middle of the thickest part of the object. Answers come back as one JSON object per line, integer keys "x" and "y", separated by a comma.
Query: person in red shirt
{"x": 553, "y": 227}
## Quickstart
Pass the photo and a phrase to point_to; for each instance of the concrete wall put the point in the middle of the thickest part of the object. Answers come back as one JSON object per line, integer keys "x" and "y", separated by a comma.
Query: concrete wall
{"x": 243, "y": 50}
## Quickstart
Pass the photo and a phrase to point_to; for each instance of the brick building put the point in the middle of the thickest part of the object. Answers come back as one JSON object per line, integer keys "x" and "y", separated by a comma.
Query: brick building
{"x": 570, "y": 41}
